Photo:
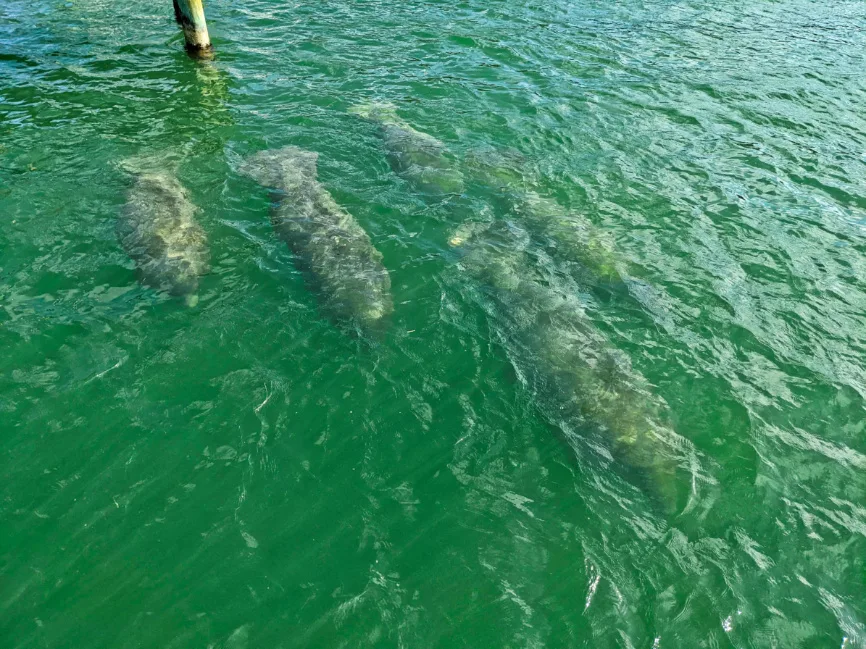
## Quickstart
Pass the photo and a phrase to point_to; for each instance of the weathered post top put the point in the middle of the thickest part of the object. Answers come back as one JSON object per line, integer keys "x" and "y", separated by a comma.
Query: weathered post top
{"x": 190, "y": 16}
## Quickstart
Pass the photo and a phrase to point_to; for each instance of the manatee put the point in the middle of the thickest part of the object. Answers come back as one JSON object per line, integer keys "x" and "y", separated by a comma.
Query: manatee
{"x": 331, "y": 249}
{"x": 158, "y": 230}
{"x": 498, "y": 169}
{"x": 417, "y": 157}
{"x": 574, "y": 236}
{"x": 580, "y": 380}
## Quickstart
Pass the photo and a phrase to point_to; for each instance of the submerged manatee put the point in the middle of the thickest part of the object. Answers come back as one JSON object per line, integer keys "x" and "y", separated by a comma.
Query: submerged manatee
{"x": 330, "y": 247}
{"x": 158, "y": 230}
{"x": 415, "y": 156}
{"x": 573, "y": 235}
{"x": 581, "y": 380}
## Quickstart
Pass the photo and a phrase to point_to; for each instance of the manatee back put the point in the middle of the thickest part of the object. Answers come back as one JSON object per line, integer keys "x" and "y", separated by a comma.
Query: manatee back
{"x": 378, "y": 111}
{"x": 158, "y": 230}
{"x": 153, "y": 199}
{"x": 277, "y": 167}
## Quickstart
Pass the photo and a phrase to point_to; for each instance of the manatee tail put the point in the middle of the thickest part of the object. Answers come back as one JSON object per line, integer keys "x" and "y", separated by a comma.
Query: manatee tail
{"x": 377, "y": 111}
{"x": 269, "y": 167}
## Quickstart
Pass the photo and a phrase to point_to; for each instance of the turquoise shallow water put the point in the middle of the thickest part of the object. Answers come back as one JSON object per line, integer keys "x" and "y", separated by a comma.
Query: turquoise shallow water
{"x": 244, "y": 474}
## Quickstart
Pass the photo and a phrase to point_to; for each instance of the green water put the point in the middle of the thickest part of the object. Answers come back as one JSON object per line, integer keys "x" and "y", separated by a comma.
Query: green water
{"x": 244, "y": 474}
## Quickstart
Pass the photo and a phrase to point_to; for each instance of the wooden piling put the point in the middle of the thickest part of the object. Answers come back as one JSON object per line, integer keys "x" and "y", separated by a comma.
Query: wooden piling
{"x": 190, "y": 16}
